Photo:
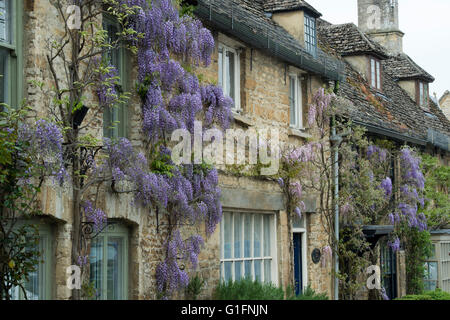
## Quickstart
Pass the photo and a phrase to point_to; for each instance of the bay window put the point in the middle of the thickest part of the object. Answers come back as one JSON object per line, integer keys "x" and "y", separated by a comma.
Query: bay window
{"x": 248, "y": 247}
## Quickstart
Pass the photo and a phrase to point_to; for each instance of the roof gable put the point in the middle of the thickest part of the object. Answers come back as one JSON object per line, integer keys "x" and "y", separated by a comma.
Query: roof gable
{"x": 402, "y": 67}
{"x": 347, "y": 39}
{"x": 288, "y": 5}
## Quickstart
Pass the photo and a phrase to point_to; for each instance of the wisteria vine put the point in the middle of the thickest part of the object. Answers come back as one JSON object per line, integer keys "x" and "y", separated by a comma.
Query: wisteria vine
{"x": 169, "y": 48}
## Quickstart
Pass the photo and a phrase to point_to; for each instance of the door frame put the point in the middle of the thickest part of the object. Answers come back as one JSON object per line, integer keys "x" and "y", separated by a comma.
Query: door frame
{"x": 303, "y": 234}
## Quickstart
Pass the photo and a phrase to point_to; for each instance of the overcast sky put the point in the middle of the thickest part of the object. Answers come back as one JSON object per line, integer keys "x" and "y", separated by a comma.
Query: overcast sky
{"x": 426, "y": 25}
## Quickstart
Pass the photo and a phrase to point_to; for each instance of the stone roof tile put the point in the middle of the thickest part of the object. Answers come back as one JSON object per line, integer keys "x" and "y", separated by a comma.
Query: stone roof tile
{"x": 287, "y": 5}
{"x": 347, "y": 39}
{"x": 402, "y": 67}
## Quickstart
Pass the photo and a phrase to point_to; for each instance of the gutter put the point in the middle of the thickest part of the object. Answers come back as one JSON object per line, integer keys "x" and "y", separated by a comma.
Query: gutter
{"x": 391, "y": 134}
{"x": 228, "y": 24}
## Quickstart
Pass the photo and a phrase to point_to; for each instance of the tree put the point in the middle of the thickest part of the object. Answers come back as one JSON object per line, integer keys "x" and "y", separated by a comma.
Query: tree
{"x": 168, "y": 47}
{"x": 28, "y": 154}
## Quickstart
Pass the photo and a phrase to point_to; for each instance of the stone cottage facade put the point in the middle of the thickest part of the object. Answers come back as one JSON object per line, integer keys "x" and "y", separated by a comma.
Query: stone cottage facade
{"x": 386, "y": 92}
{"x": 271, "y": 69}
{"x": 270, "y": 60}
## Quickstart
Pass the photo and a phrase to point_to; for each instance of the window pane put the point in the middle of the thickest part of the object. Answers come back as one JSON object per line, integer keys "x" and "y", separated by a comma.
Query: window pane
{"x": 96, "y": 264}
{"x": 378, "y": 75}
{"x": 292, "y": 101}
{"x": 257, "y": 269}
{"x": 373, "y": 75}
{"x": 257, "y": 236}
{"x": 237, "y": 235}
{"x": 220, "y": 68}
{"x": 237, "y": 270}
{"x": 4, "y": 56}
{"x": 115, "y": 270}
{"x": 33, "y": 287}
{"x": 231, "y": 75}
{"x": 248, "y": 269}
{"x": 247, "y": 235}
{"x": 267, "y": 270}
{"x": 5, "y": 21}
{"x": 227, "y": 268}
{"x": 267, "y": 235}
{"x": 430, "y": 285}
{"x": 227, "y": 236}
{"x": 421, "y": 93}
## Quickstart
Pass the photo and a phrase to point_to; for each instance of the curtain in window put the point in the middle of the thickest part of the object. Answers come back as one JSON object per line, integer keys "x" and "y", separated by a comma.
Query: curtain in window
{"x": 247, "y": 246}
{"x": 107, "y": 269}
{"x": 292, "y": 101}
{"x": 35, "y": 287}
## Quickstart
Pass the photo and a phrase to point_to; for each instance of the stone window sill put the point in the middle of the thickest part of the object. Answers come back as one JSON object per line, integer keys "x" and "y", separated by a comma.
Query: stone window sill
{"x": 242, "y": 119}
{"x": 300, "y": 133}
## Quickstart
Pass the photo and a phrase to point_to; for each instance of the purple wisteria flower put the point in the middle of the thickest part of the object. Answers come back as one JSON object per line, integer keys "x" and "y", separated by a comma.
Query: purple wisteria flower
{"x": 94, "y": 215}
{"x": 298, "y": 212}
{"x": 395, "y": 244}
{"x": 386, "y": 185}
{"x": 280, "y": 182}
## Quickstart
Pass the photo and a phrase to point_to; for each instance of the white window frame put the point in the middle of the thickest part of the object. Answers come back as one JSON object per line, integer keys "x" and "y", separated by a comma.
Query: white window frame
{"x": 432, "y": 259}
{"x": 423, "y": 94}
{"x": 298, "y": 102}
{"x": 375, "y": 73}
{"x": 273, "y": 247}
{"x": 444, "y": 265}
{"x": 223, "y": 49}
{"x": 303, "y": 231}
{"x": 311, "y": 34}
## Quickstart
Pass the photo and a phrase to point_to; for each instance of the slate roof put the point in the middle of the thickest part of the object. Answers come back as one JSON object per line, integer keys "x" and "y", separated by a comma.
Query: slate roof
{"x": 446, "y": 93}
{"x": 391, "y": 111}
{"x": 346, "y": 39}
{"x": 287, "y": 5}
{"x": 247, "y": 21}
{"x": 402, "y": 67}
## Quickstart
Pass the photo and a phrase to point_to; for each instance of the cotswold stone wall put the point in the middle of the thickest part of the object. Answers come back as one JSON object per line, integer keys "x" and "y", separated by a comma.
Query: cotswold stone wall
{"x": 445, "y": 104}
{"x": 264, "y": 102}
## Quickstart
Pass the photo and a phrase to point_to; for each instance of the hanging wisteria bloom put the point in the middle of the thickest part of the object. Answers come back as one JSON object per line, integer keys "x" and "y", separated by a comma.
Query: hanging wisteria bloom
{"x": 45, "y": 141}
{"x": 395, "y": 244}
{"x": 95, "y": 216}
{"x": 169, "y": 48}
{"x": 386, "y": 185}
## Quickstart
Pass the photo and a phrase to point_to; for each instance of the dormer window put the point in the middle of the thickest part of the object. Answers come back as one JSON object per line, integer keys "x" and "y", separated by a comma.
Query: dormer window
{"x": 375, "y": 73}
{"x": 423, "y": 94}
{"x": 310, "y": 34}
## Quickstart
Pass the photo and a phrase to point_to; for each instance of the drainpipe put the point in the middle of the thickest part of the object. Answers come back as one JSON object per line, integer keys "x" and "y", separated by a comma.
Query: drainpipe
{"x": 336, "y": 141}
